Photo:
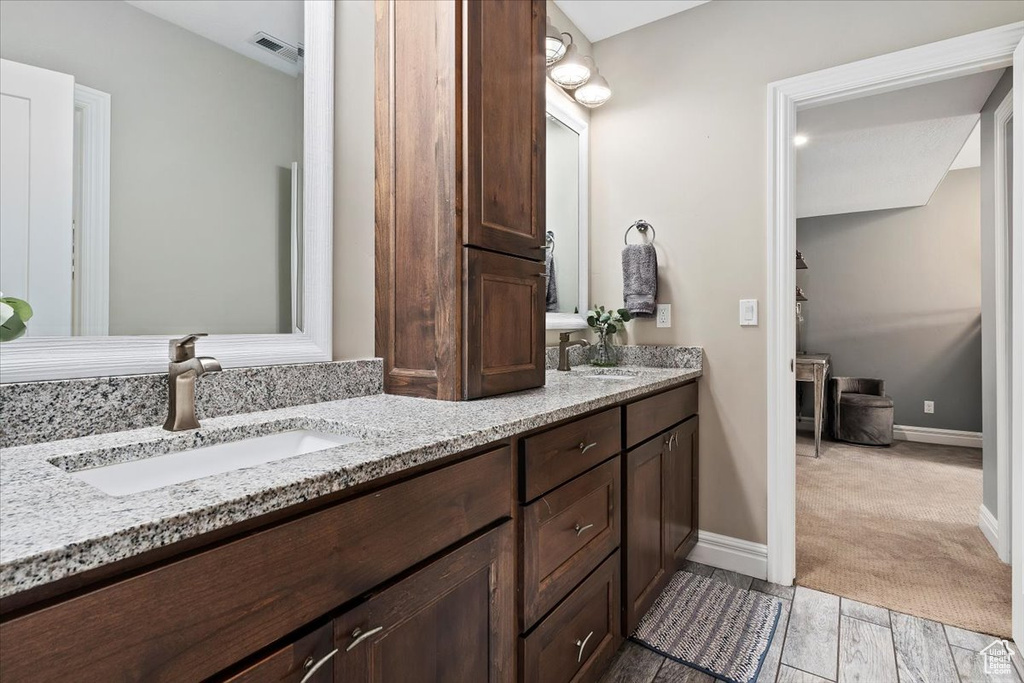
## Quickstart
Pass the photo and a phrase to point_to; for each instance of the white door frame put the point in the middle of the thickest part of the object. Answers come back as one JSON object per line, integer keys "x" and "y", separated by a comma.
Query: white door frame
{"x": 961, "y": 56}
{"x": 1003, "y": 315}
{"x": 92, "y": 262}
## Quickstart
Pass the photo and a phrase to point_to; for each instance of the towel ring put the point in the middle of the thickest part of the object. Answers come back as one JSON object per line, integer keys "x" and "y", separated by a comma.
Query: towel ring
{"x": 642, "y": 227}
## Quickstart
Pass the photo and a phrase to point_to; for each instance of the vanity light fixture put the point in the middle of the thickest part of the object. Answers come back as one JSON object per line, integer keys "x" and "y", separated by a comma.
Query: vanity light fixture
{"x": 554, "y": 46}
{"x": 570, "y": 71}
{"x": 799, "y": 140}
{"x": 595, "y": 91}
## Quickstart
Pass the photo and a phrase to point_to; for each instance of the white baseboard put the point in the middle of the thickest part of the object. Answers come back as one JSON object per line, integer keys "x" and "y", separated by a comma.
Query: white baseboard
{"x": 989, "y": 526}
{"x": 947, "y": 437}
{"x": 734, "y": 554}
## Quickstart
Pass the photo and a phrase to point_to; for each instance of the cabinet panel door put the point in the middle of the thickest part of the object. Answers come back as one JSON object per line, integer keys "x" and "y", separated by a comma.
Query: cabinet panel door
{"x": 504, "y": 341}
{"x": 645, "y": 529}
{"x": 681, "y": 494}
{"x": 451, "y": 621}
{"x": 504, "y": 126}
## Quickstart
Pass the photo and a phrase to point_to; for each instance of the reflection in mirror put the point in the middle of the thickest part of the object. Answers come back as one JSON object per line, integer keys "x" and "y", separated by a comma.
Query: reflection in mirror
{"x": 563, "y": 219}
{"x": 151, "y": 165}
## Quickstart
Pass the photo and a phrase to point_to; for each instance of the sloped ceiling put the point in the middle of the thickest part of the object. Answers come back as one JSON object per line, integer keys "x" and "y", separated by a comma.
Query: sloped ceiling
{"x": 232, "y": 24}
{"x": 600, "y": 19}
{"x": 887, "y": 151}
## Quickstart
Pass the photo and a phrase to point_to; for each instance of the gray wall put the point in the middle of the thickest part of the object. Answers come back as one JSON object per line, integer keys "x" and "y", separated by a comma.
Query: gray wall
{"x": 202, "y": 140}
{"x": 896, "y": 294}
{"x": 988, "y": 289}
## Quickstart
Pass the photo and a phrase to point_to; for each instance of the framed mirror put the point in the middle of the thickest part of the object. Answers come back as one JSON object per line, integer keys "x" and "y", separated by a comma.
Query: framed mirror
{"x": 167, "y": 169}
{"x": 567, "y": 201}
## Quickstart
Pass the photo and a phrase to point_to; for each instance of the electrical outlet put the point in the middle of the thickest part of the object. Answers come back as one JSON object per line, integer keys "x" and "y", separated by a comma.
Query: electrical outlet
{"x": 929, "y": 407}
{"x": 664, "y": 315}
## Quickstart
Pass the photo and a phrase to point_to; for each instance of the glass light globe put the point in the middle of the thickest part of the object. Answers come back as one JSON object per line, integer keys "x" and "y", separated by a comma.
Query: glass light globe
{"x": 570, "y": 71}
{"x": 554, "y": 46}
{"x": 594, "y": 92}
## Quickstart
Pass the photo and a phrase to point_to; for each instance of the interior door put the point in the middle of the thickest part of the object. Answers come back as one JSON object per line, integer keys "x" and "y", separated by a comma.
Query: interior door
{"x": 37, "y": 109}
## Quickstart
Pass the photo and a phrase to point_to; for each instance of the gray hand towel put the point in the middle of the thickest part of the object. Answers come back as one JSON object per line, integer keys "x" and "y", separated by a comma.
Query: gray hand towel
{"x": 551, "y": 296}
{"x": 640, "y": 279}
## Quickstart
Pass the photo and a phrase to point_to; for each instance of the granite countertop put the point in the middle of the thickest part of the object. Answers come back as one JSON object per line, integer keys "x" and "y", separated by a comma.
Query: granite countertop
{"x": 55, "y": 525}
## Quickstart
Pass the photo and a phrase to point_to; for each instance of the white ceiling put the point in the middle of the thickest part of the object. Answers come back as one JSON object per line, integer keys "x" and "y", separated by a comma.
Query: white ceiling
{"x": 233, "y": 24}
{"x": 970, "y": 153}
{"x": 599, "y": 19}
{"x": 886, "y": 151}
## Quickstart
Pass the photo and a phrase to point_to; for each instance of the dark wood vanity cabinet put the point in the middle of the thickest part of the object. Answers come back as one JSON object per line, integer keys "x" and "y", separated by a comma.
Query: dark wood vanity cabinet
{"x": 661, "y": 495}
{"x": 460, "y": 196}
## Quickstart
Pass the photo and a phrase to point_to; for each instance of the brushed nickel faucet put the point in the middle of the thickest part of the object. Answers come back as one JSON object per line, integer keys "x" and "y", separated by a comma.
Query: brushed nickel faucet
{"x": 182, "y": 373}
{"x": 563, "y": 349}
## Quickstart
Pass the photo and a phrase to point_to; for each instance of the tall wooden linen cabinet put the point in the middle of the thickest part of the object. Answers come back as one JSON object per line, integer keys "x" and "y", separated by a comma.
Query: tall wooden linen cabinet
{"x": 460, "y": 196}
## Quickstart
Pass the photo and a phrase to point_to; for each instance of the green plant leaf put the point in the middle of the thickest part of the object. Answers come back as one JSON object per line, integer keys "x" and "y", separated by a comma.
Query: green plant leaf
{"x": 21, "y": 308}
{"x": 605, "y": 317}
{"x": 625, "y": 315}
{"x": 11, "y": 329}
{"x": 591, "y": 319}
{"x": 612, "y": 329}
{"x": 6, "y": 312}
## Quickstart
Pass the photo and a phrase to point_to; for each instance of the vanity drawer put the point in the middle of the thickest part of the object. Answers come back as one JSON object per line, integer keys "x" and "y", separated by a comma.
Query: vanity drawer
{"x": 652, "y": 415}
{"x": 558, "y": 455}
{"x": 566, "y": 534}
{"x": 577, "y": 640}
{"x": 312, "y": 656}
{"x": 193, "y": 617}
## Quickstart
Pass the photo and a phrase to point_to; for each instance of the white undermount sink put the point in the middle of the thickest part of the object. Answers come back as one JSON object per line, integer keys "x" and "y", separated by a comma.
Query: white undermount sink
{"x": 145, "y": 474}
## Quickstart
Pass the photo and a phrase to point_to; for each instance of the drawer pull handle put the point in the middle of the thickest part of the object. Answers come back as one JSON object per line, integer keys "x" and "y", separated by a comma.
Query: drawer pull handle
{"x": 586, "y": 447}
{"x": 670, "y": 442}
{"x": 582, "y": 644}
{"x": 309, "y": 663}
{"x": 360, "y": 636}
{"x": 580, "y": 529}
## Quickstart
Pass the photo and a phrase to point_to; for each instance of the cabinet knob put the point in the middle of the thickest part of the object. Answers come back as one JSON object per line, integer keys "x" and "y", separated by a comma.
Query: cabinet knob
{"x": 311, "y": 667}
{"x": 580, "y": 529}
{"x": 582, "y": 644}
{"x": 360, "y": 636}
{"x": 586, "y": 447}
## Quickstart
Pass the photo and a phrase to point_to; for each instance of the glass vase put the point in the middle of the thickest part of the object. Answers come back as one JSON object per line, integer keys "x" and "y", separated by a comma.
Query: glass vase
{"x": 604, "y": 353}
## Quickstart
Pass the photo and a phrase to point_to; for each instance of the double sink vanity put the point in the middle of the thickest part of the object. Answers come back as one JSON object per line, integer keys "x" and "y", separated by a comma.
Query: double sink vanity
{"x": 373, "y": 538}
{"x": 453, "y": 510}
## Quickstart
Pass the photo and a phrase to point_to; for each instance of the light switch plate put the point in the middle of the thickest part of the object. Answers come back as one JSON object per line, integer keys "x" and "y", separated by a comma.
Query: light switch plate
{"x": 929, "y": 407}
{"x": 664, "y": 315}
{"x": 748, "y": 312}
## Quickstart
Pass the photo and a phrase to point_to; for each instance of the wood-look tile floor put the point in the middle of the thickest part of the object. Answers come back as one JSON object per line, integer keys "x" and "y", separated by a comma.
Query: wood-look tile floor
{"x": 824, "y": 637}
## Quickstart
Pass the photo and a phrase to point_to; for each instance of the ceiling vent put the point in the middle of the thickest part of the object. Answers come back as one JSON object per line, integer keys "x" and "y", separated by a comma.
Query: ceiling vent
{"x": 290, "y": 53}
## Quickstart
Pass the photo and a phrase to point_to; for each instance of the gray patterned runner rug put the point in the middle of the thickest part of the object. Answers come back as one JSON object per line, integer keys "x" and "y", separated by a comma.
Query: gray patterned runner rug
{"x": 710, "y": 625}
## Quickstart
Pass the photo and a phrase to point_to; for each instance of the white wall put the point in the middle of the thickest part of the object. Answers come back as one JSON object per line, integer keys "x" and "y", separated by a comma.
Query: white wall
{"x": 683, "y": 144}
{"x": 202, "y": 140}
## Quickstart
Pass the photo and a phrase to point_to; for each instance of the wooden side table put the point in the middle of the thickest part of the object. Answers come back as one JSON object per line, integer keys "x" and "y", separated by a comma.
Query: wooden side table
{"x": 814, "y": 367}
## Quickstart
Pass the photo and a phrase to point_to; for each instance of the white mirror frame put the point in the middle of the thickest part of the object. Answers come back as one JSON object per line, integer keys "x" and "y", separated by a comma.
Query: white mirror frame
{"x": 560, "y": 107}
{"x": 47, "y": 358}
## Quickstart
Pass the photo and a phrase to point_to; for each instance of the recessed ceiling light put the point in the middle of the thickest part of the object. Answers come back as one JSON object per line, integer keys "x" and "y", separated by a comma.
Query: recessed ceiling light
{"x": 799, "y": 140}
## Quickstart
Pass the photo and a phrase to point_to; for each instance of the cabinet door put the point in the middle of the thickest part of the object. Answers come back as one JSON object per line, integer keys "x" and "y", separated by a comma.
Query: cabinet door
{"x": 681, "y": 494}
{"x": 645, "y": 573}
{"x": 504, "y": 126}
{"x": 307, "y": 660}
{"x": 504, "y": 339}
{"x": 450, "y": 621}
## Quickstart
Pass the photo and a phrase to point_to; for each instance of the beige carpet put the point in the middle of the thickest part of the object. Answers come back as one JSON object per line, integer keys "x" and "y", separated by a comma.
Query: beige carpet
{"x": 898, "y": 527}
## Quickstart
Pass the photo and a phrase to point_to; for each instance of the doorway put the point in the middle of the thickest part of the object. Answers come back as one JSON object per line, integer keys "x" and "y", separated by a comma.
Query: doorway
{"x": 973, "y": 53}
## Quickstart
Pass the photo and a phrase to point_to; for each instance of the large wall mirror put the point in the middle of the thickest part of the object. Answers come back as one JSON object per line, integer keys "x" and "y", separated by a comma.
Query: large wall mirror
{"x": 165, "y": 168}
{"x": 567, "y": 201}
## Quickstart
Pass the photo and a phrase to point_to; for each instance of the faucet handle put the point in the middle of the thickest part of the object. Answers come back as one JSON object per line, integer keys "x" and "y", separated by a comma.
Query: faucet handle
{"x": 564, "y": 336}
{"x": 184, "y": 348}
